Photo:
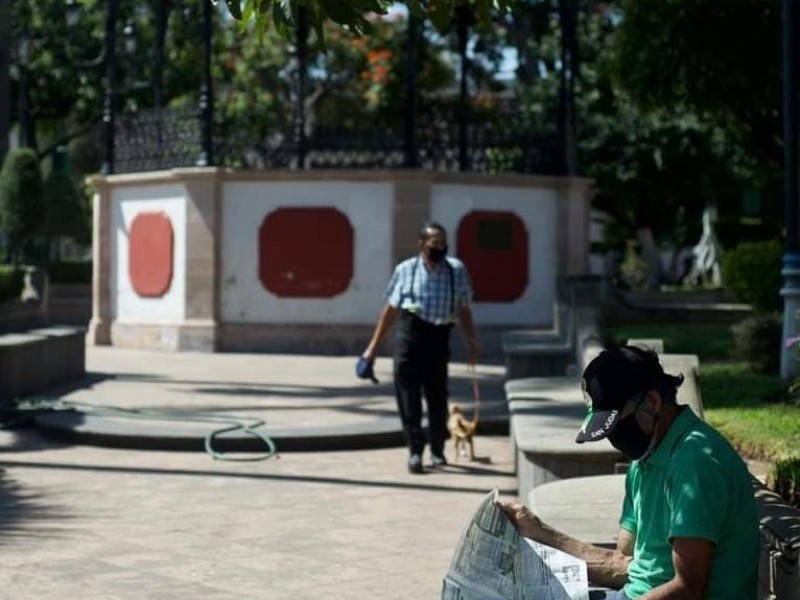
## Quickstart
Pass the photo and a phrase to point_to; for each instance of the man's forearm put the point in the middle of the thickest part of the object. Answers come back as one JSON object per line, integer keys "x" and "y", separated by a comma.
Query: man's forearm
{"x": 467, "y": 324}
{"x": 605, "y": 567}
{"x": 385, "y": 322}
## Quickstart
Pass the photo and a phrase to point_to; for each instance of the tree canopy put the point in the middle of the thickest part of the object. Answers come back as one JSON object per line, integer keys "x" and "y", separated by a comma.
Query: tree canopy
{"x": 678, "y": 101}
{"x": 353, "y": 14}
{"x": 718, "y": 60}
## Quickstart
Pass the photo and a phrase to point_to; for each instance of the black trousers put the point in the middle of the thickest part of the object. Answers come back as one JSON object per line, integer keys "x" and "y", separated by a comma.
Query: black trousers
{"x": 422, "y": 352}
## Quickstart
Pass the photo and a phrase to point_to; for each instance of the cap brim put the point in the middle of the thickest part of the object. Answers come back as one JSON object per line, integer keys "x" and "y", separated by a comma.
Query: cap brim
{"x": 597, "y": 426}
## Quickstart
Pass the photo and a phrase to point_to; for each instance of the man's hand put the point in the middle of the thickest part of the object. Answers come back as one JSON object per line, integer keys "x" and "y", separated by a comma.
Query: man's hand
{"x": 527, "y": 523}
{"x": 606, "y": 567}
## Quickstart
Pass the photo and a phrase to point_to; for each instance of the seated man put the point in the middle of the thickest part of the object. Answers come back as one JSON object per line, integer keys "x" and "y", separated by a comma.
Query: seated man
{"x": 689, "y": 524}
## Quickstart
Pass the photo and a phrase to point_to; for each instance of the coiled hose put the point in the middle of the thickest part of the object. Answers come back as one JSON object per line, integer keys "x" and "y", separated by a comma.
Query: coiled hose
{"x": 18, "y": 411}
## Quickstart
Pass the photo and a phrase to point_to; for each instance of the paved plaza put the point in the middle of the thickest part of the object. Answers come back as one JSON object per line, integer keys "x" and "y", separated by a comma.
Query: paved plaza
{"x": 306, "y": 402}
{"x": 92, "y": 523}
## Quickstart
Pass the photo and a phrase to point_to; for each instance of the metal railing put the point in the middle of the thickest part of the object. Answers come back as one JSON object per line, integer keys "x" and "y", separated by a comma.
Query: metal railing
{"x": 158, "y": 139}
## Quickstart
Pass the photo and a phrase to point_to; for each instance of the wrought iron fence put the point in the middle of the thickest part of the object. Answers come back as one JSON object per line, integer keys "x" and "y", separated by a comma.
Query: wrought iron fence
{"x": 505, "y": 142}
{"x": 156, "y": 139}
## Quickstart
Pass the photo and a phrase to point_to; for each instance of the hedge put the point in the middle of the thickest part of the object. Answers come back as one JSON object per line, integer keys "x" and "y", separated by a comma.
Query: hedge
{"x": 11, "y": 281}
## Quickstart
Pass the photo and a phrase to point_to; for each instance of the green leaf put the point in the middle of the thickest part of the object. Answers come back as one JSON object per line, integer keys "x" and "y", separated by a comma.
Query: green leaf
{"x": 236, "y": 9}
{"x": 248, "y": 12}
{"x": 282, "y": 18}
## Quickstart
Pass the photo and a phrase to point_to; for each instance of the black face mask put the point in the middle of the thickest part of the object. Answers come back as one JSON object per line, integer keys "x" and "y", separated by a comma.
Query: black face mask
{"x": 436, "y": 255}
{"x": 629, "y": 439}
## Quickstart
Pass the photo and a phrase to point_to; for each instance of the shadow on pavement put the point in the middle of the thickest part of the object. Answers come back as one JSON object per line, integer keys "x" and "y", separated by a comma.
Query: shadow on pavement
{"x": 25, "y": 514}
{"x": 313, "y": 479}
{"x": 491, "y": 382}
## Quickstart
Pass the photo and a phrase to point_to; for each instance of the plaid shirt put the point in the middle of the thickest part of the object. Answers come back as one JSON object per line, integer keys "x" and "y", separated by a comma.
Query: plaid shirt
{"x": 428, "y": 295}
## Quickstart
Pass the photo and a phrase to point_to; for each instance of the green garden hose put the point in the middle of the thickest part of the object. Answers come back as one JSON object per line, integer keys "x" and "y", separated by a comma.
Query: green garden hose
{"x": 20, "y": 410}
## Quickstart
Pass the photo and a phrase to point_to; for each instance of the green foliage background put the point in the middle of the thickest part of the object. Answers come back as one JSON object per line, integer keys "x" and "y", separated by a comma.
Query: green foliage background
{"x": 11, "y": 281}
{"x": 678, "y": 101}
{"x": 752, "y": 271}
{"x": 21, "y": 199}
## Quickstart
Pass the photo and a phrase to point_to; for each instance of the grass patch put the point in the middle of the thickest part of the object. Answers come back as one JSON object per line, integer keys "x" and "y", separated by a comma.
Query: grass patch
{"x": 743, "y": 405}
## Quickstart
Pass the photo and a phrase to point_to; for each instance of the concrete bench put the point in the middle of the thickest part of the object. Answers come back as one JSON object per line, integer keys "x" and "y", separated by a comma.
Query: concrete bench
{"x": 40, "y": 358}
{"x": 539, "y": 352}
{"x": 545, "y": 414}
{"x": 532, "y": 353}
{"x": 589, "y": 507}
{"x": 779, "y": 566}
{"x": 544, "y": 417}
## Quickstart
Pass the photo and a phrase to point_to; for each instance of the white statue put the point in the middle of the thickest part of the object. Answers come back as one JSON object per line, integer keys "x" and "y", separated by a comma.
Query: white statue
{"x": 707, "y": 254}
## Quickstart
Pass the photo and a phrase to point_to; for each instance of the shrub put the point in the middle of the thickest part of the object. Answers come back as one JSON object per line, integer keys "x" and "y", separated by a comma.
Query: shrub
{"x": 757, "y": 340}
{"x": 70, "y": 272}
{"x": 11, "y": 281}
{"x": 21, "y": 198}
{"x": 65, "y": 213}
{"x": 784, "y": 479}
{"x": 752, "y": 272}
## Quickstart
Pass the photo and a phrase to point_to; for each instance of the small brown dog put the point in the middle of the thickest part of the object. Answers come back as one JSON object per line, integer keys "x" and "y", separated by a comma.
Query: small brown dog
{"x": 462, "y": 431}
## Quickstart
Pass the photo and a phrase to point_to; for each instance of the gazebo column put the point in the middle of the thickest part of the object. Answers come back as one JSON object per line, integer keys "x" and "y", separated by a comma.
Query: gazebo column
{"x": 568, "y": 22}
{"x": 99, "y": 331}
{"x": 410, "y": 158}
{"x": 206, "y": 158}
{"x": 301, "y": 57}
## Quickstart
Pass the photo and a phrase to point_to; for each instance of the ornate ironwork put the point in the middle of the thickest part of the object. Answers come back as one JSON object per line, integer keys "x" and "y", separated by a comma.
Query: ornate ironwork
{"x": 503, "y": 141}
{"x": 156, "y": 139}
{"x": 499, "y": 139}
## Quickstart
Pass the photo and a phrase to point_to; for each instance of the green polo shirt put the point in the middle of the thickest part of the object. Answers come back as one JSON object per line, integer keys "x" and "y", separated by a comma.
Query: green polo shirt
{"x": 693, "y": 485}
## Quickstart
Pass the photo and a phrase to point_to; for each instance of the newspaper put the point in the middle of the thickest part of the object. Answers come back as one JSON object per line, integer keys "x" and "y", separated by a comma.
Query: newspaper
{"x": 493, "y": 562}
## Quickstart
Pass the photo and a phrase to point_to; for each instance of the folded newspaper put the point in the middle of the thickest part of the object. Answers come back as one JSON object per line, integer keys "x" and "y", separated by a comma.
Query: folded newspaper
{"x": 493, "y": 562}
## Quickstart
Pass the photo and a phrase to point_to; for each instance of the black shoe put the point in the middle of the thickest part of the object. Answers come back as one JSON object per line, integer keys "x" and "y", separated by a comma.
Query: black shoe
{"x": 415, "y": 464}
{"x": 438, "y": 460}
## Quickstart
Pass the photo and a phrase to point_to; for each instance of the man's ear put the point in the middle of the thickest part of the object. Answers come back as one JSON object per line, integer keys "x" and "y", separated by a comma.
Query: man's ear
{"x": 654, "y": 402}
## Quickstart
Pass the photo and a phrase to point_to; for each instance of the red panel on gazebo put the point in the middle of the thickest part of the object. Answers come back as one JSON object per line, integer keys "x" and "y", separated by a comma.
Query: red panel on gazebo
{"x": 150, "y": 254}
{"x": 494, "y": 246}
{"x": 306, "y": 252}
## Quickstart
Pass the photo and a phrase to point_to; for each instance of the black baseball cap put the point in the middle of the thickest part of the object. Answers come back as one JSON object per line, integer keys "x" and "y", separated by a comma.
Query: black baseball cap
{"x": 613, "y": 378}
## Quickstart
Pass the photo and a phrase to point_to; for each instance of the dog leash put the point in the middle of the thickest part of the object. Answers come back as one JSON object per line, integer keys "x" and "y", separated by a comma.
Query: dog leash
{"x": 476, "y": 391}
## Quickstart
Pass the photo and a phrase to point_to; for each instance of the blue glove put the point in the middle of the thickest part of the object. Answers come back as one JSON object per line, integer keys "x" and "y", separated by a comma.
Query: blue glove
{"x": 364, "y": 370}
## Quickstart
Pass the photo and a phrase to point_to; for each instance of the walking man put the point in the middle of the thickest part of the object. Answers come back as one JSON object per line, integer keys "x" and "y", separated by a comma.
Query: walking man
{"x": 427, "y": 294}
